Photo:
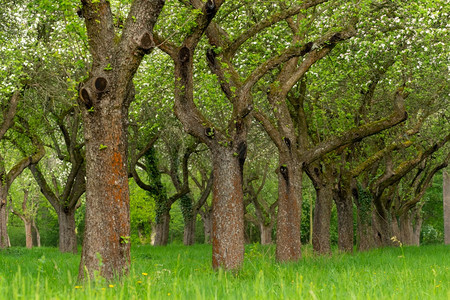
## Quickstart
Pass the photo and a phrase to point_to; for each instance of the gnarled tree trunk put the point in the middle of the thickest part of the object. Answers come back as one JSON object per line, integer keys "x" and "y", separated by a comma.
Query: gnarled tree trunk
{"x": 104, "y": 99}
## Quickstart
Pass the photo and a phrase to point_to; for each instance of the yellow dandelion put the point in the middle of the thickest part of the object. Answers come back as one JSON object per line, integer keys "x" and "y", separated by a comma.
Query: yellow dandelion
{"x": 145, "y": 274}
{"x": 139, "y": 282}
{"x": 103, "y": 289}
{"x": 168, "y": 294}
{"x": 78, "y": 287}
{"x": 111, "y": 285}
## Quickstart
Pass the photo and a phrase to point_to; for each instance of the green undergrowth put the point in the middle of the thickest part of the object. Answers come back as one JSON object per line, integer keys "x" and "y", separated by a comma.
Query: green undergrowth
{"x": 179, "y": 272}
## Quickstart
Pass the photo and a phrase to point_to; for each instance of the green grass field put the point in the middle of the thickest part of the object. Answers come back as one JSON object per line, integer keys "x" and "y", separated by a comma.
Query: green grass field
{"x": 179, "y": 272}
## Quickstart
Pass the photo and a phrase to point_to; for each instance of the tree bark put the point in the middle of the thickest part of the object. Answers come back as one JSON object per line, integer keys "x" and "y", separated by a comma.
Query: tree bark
{"x": 38, "y": 235}
{"x": 162, "y": 229}
{"x": 28, "y": 233}
{"x": 104, "y": 99}
{"x": 365, "y": 230}
{"x": 67, "y": 235}
{"x": 207, "y": 224}
{"x": 107, "y": 218}
{"x": 189, "y": 231}
{"x": 289, "y": 209}
{"x": 228, "y": 210}
{"x": 344, "y": 206}
{"x": 266, "y": 234}
{"x": 322, "y": 219}
{"x": 446, "y": 200}
{"x": 382, "y": 229}
{"x": 3, "y": 222}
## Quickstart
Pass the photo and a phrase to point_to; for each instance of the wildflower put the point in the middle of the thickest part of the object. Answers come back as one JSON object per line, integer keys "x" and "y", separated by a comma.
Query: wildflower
{"x": 103, "y": 289}
{"x": 78, "y": 287}
{"x": 145, "y": 274}
{"x": 139, "y": 282}
{"x": 394, "y": 239}
{"x": 168, "y": 294}
{"x": 111, "y": 285}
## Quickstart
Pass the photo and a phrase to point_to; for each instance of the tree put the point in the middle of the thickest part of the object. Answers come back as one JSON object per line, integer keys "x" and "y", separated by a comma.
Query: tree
{"x": 27, "y": 214}
{"x": 65, "y": 200}
{"x": 8, "y": 177}
{"x": 104, "y": 100}
{"x": 446, "y": 200}
{"x": 265, "y": 212}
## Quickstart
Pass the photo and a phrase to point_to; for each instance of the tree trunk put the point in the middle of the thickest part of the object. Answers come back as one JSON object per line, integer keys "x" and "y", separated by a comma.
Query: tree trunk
{"x": 344, "y": 206}
{"x": 38, "y": 235}
{"x": 207, "y": 225}
{"x": 106, "y": 238}
{"x": 382, "y": 229}
{"x": 364, "y": 211}
{"x": 4, "y": 211}
{"x": 228, "y": 210}
{"x": 322, "y": 219}
{"x": 28, "y": 233}
{"x": 266, "y": 234}
{"x": 409, "y": 225}
{"x": 416, "y": 231}
{"x": 446, "y": 199}
{"x": 162, "y": 229}
{"x": 189, "y": 231}
{"x": 289, "y": 209}
{"x": 365, "y": 234}
{"x": 153, "y": 234}
{"x": 3, "y": 224}
{"x": 67, "y": 235}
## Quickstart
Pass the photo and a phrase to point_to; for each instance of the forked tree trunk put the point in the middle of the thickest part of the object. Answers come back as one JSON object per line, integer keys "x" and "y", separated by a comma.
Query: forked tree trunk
{"x": 344, "y": 207}
{"x": 189, "y": 231}
{"x": 322, "y": 219}
{"x": 104, "y": 98}
{"x": 67, "y": 235}
{"x": 228, "y": 210}
{"x": 289, "y": 210}
{"x": 162, "y": 229}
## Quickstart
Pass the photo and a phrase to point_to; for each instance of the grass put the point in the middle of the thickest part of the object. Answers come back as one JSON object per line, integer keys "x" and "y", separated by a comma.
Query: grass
{"x": 178, "y": 272}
